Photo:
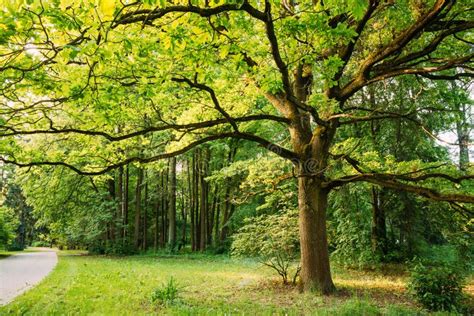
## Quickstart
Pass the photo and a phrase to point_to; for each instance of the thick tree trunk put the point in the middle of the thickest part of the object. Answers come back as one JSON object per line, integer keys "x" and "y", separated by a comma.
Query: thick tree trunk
{"x": 315, "y": 270}
{"x": 172, "y": 205}
{"x": 313, "y": 151}
{"x": 312, "y": 148}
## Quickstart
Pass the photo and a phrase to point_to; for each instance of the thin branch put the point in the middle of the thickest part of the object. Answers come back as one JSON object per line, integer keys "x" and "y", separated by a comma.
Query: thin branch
{"x": 213, "y": 96}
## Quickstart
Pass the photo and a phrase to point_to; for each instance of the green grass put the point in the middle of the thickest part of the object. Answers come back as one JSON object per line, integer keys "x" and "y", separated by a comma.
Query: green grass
{"x": 5, "y": 254}
{"x": 207, "y": 286}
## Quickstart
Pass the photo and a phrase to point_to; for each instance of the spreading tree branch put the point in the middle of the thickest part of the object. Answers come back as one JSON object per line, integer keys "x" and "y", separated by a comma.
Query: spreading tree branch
{"x": 393, "y": 182}
{"x": 282, "y": 152}
{"x": 168, "y": 126}
{"x": 378, "y": 65}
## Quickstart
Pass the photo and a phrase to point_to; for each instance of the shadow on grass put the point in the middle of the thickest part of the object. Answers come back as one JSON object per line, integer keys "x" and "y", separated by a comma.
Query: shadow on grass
{"x": 378, "y": 291}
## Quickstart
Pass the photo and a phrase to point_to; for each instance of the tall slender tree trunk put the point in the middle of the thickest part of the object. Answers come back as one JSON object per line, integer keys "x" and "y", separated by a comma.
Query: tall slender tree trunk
{"x": 211, "y": 217}
{"x": 157, "y": 218}
{"x": 408, "y": 235}
{"x": 125, "y": 204}
{"x": 192, "y": 201}
{"x": 197, "y": 226}
{"x": 228, "y": 206}
{"x": 217, "y": 218}
{"x": 183, "y": 217}
{"x": 379, "y": 230}
{"x": 172, "y": 205}
{"x": 225, "y": 215}
{"x": 112, "y": 196}
{"x": 138, "y": 204}
{"x": 204, "y": 208}
{"x": 145, "y": 217}
{"x": 463, "y": 140}
{"x": 463, "y": 126}
{"x": 119, "y": 215}
{"x": 164, "y": 208}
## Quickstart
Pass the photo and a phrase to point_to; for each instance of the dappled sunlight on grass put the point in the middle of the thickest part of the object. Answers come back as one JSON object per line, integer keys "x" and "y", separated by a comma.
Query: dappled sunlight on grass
{"x": 382, "y": 287}
{"x": 373, "y": 282}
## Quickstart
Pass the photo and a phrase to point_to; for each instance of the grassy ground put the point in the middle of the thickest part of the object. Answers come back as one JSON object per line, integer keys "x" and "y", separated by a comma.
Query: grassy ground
{"x": 123, "y": 286}
{"x": 5, "y": 253}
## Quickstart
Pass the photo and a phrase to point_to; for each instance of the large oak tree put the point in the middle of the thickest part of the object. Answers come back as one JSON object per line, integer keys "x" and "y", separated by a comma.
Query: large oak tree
{"x": 96, "y": 87}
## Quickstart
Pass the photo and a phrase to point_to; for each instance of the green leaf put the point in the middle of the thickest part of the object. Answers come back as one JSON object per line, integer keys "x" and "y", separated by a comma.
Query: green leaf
{"x": 358, "y": 8}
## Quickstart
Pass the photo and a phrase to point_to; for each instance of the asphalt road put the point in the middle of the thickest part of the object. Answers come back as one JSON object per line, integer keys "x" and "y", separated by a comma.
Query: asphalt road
{"x": 22, "y": 271}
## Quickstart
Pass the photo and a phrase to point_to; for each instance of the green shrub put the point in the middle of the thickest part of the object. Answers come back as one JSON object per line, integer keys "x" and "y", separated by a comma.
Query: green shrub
{"x": 120, "y": 248}
{"x": 96, "y": 248}
{"x": 40, "y": 243}
{"x": 15, "y": 246}
{"x": 113, "y": 248}
{"x": 437, "y": 287}
{"x": 167, "y": 294}
{"x": 274, "y": 240}
{"x": 6, "y": 229}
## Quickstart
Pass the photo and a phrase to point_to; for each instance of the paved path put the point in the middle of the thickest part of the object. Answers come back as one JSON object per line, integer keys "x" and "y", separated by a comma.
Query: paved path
{"x": 22, "y": 271}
